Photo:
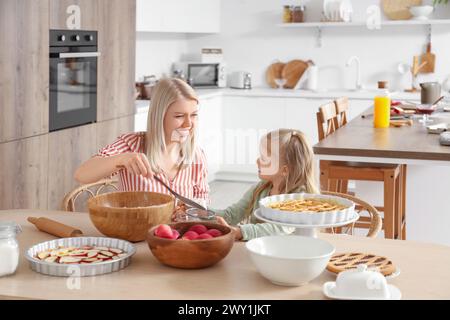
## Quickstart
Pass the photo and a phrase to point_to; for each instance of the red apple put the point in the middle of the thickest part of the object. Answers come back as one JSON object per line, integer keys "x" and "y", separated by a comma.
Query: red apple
{"x": 199, "y": 228}
{"x": 190, "y": 235}
{"x": 164, "y": 231}
{"x": 214, "y": 232}
{"x": 175, "y": 234}
{"x": 204, "y": 236}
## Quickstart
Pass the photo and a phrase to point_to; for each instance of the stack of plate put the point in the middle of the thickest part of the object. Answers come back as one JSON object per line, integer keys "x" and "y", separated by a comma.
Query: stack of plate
{"x": 337, "y": 10}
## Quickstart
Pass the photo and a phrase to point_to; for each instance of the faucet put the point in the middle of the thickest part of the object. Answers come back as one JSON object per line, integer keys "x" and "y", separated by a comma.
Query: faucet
{"x": 358, "y": 70}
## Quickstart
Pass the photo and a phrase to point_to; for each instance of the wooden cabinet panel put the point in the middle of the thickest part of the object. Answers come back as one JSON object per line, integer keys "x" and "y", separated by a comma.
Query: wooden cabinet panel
{"x": 108, "y": 131}
{"x": 23, "y": 173}
{"x": 88, "y": 13}
{"x": 116, "y": 65}
{"x": 23, "y": 68}
{"x": 67, "y": 150}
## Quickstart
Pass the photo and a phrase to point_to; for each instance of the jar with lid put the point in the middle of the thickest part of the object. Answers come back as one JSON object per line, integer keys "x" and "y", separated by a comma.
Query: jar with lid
{"x": 382, "y": 106}
{"x": 287, "y": 14}
{"x": 9, "y": 247}
{"x": 298, "y": 14}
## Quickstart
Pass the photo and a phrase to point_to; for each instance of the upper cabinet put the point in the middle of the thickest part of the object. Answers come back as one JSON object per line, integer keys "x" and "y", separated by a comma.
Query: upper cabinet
{"x": 63, "y": 10}
{"x": 23, "y": 68}
{"x": 182, "y": 16}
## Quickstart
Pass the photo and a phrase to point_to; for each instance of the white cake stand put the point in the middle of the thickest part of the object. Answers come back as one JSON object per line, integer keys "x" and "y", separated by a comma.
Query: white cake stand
{"x": 307, "y": 230}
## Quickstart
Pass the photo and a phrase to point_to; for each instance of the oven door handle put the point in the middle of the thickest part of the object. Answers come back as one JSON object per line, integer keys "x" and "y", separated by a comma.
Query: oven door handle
{"x": 78, "y": 54}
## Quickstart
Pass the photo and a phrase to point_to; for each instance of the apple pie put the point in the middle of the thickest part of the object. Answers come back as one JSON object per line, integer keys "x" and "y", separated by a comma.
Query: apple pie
{"x": 346, "y": 261}
{"x": 307, "y": 205}
{"x": 82, "y": 255}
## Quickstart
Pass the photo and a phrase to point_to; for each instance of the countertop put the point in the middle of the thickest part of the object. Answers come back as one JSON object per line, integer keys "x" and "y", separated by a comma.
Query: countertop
{"x": 142, "y": 105}
{"x": 424, "y": 273}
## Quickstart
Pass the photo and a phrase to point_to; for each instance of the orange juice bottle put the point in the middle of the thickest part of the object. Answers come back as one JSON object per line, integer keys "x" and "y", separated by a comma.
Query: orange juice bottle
{"x": 382, "y": 107}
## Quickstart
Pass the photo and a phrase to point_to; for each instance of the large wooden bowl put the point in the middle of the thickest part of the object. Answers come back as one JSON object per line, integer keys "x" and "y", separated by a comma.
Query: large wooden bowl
{"x": 129, "y": 215}
{"x": 191, "y": 254}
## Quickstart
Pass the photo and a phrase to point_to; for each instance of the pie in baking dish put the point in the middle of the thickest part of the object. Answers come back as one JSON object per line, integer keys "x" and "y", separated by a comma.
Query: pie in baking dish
{"x": 346, "y": 261}
{"x": 307, "y": 205}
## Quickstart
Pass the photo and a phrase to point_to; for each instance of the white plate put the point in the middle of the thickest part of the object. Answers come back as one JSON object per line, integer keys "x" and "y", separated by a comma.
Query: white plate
{"x": 328, "y": 291}
{"x": 346, "y": 10}
{"x": 354, "y": 217}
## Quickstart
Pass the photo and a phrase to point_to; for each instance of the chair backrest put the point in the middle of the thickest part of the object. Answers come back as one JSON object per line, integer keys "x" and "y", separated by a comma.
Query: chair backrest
{"x": 341, "y": 110}
{"x": 81, "y": 194}
{"x": 362, "y": 206}
{"x": 326, "y": 120}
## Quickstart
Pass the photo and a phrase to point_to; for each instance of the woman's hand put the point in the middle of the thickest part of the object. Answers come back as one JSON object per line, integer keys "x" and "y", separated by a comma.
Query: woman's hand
{"x": 136, "y": 163}
{"x": 237, "y": 230}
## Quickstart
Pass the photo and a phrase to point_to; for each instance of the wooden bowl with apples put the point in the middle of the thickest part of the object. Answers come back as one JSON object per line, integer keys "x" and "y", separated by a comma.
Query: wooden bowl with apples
{"x": 190, "y": 245}
{"x": 129, "y": 215}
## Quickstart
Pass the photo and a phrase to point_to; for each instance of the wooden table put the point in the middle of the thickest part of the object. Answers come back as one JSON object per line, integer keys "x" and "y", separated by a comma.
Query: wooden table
{"x": 424, "y": 271}
{"x": 428, "y": 172}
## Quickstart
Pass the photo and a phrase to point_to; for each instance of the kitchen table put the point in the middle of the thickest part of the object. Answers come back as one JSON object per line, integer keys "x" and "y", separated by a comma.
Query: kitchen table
{"x": 428, "y": 170}
{"x": 424, "y": 271}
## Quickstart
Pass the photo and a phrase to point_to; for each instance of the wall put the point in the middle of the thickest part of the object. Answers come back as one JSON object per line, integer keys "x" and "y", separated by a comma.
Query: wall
{"x": 251, "y": 41}
{"x": 155, "y": 52}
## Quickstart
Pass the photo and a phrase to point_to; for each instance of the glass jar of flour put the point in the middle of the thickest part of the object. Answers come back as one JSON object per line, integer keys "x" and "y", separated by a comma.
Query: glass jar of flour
{"x": 9, "y": 247}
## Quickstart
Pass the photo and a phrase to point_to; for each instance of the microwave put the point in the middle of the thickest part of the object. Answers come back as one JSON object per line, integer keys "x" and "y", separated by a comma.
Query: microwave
{"x": 201, "y": 74}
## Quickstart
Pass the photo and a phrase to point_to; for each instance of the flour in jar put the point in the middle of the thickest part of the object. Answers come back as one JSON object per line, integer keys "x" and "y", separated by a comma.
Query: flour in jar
{"x": 9, "y": 248}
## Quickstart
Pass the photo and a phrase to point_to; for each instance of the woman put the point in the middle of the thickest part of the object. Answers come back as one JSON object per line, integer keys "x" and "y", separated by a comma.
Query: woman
{"x": 167, "y": 150}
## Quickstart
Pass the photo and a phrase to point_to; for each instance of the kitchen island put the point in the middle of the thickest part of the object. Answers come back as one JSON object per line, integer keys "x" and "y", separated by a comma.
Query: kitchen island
{"x": 428, "y": 173}
{"x": 423, "y": 274}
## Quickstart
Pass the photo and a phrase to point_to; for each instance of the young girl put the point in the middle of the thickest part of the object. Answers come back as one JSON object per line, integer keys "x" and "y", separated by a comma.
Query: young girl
{"x": 285, "y": 165}
{"x": 167, "y": 150}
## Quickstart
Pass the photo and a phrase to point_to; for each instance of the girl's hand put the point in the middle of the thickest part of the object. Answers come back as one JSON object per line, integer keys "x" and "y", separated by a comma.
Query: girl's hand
{"x": 136, "y": 163}
{"x": 237, "y": 230}
{"x": 178, "y": 211}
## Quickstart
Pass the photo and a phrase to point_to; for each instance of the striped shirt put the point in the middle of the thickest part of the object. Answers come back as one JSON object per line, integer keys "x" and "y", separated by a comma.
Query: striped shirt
{"x": 190, "y": 181}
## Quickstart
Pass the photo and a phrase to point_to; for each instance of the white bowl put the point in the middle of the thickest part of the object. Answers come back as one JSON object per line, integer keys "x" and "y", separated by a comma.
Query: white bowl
{"x": 290, "y": 260}
{"x": 306, "y": 218}
{"x": 421, "y": 12}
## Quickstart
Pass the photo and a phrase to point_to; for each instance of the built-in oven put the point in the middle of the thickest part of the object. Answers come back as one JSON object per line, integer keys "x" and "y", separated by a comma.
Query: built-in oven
{"x": 73, "y": 78}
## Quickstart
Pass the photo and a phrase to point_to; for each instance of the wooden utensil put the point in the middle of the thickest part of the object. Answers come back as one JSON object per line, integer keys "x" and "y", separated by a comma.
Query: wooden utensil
{"x": 399, "y": 9}
{"x": 274, "y": 72}
{"x": 430, "y": 59}
{"x": 55, "y": 228}
{"x": 293, "y": 71}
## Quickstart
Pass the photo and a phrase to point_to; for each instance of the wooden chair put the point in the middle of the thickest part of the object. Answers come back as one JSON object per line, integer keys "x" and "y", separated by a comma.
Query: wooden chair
{"x": 376, "y": 222}
{"x": 86, "y": 191}
{"x": 334, "y": 175}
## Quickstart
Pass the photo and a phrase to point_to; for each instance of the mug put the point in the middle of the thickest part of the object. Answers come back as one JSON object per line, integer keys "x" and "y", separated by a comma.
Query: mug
{"x": 430, "y": 93}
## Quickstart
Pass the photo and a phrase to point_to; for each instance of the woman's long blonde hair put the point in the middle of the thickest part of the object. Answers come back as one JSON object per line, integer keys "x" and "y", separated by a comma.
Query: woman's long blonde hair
{"x": 296, "y": 153}
{"x": 166, "y": 92}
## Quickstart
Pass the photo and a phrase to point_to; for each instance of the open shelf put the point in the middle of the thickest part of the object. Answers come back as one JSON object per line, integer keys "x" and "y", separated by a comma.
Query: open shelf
{"x": 363, "y": 23}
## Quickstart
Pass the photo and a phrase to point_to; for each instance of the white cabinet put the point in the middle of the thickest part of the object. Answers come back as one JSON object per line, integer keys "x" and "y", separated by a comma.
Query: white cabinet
{"x": 183, "y": 16}
{"x": 209, "y": 133}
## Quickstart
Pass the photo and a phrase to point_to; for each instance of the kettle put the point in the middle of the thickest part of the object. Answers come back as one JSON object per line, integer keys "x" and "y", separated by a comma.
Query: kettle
{"x": 431, "y": 91}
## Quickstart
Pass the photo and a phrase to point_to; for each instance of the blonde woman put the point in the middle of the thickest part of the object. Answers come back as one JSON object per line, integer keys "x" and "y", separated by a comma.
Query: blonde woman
{"x": 285, "y": 165}
{"x": 168, "y": 148}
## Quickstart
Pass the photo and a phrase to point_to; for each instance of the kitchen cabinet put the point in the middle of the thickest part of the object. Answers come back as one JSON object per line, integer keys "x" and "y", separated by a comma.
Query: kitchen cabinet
{"x": 108, "y": 131}
{"x": 23, "y": 68}
{"x": 176, "y": 16}
{"x": 210, "y": 133}
{"x": 67, "y": 149}
{"x": 23, "y": 173}
{"x": 116, "y": 65}
{"x": 88, "y": 14}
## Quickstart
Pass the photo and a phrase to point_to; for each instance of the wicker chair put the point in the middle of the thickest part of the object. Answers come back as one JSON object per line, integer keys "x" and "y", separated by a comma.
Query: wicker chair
{"x": 361, "y": 206}
{"x": 86, "y": 191}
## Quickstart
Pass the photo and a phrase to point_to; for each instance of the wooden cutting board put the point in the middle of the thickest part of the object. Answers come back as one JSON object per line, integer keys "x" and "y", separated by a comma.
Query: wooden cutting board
{"x": 399, "y": 9}
{"x": 274, "y": 72}
{"x": 293, "y": 71}
{"x": 430, "y": 60}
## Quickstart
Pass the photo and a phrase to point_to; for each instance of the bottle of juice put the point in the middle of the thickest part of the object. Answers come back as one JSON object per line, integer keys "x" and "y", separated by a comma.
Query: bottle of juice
{"x": 382, "y": 107}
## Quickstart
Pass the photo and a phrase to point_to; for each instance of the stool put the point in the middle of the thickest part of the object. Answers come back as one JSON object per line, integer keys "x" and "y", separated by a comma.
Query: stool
{"x": 334, "y": 175}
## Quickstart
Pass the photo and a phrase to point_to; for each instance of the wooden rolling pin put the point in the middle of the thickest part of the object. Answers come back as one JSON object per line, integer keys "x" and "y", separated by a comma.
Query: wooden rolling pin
{"x": 55, "y": 228}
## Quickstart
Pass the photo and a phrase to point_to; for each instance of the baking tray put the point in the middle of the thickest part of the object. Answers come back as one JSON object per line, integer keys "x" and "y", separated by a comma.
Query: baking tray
{"x": 82, "y": 270}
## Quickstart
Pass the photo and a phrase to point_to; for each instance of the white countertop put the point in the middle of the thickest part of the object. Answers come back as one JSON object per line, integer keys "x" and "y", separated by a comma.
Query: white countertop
{"x": 142, "y": 105}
